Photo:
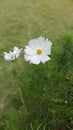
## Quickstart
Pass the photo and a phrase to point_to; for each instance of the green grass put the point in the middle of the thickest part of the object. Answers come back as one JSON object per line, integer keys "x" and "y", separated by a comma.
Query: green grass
{"x": 44, "y": 94}
{"x": 21, "y": 20}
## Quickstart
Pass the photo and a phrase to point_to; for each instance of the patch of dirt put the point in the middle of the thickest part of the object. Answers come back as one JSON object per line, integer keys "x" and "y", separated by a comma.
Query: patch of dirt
{"x": 5, "y": 99}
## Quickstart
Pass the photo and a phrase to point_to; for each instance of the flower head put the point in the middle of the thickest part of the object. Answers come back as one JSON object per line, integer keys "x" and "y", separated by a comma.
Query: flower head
{"x": 8, "y": 56}
{"x": 38, "y": 50}
{"x": 17, "y": 52}
{"x": 12, "y": 55}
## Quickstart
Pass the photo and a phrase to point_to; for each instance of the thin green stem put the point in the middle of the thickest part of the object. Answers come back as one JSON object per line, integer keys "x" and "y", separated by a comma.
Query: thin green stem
{"x": 22, "y": 100}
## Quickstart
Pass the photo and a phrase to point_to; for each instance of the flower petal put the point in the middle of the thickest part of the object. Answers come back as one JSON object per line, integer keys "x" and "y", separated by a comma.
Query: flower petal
{"x": 44, "y": 58}
{"x": 29, "y": 50}
{"x": 34, "y": 59}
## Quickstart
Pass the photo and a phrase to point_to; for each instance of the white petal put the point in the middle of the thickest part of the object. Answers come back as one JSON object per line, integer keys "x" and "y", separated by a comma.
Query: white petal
{"x": 44, "y": 58}
{"x": 29, "y": 50}
{"x": 47, "y": 48}
{"x": 36, "y": 43}
{"x": 28, "y": 57}
{"x": 15, "y": 48}
{"x": 33, "y": 44}
{"x": 17, "y": 51}
{"x": 34, "y": 59}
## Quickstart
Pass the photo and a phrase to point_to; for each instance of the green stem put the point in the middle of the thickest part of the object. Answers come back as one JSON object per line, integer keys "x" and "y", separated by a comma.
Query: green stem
{"x": 22, "y": 100}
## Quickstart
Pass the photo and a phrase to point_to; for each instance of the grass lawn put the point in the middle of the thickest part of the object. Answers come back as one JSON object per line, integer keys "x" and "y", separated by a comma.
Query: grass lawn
{"x": 22, "y": 20}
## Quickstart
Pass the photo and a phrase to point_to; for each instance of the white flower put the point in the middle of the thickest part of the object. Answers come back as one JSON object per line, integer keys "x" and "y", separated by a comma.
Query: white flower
{"x": 8, "y": 56}
{"x": 38, "y": 50}
{"x": 12, "y": 55}
{"x": 17, "y": 52}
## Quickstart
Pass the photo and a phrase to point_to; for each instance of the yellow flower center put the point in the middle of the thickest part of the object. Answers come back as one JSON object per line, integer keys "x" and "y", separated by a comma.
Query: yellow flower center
{"x": 39, "y": 51}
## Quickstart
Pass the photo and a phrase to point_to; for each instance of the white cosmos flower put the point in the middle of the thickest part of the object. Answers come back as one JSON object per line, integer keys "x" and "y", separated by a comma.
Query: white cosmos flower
{"x": 17, "y": 52}
{"x": 38, "y": 50}
{"x": 12, "y": 55}
{"x": 9, "y": 56}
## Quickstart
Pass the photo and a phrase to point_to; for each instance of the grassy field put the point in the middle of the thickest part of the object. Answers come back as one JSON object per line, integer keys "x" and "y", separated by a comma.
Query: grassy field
{"x": 21, "y": 20}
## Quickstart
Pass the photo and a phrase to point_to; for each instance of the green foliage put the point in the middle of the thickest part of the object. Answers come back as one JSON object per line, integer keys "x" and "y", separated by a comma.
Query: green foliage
{"x": 48, "y": 88}
{"x": 45, "y": 94}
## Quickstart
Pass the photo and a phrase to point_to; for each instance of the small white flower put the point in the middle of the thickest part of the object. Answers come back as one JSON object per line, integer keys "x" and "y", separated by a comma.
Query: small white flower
{"x": 12, "y": 55}
{"x": 8, "y": 56}
{"x": 38, "y": 50}
{"x": 17, "y": 52}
